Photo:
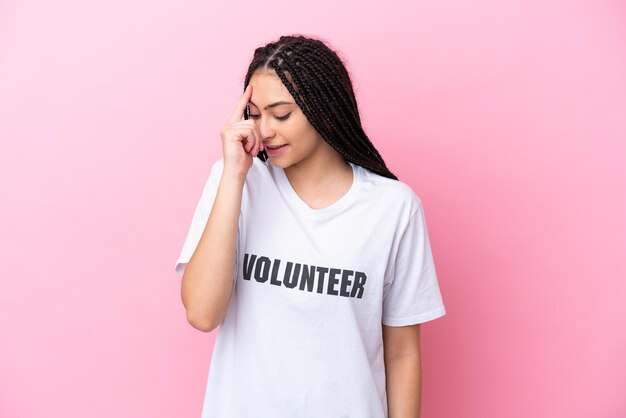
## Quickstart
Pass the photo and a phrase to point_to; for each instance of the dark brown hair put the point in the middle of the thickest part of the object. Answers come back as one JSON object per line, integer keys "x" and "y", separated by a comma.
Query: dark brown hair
{"x": 321, "y": 86}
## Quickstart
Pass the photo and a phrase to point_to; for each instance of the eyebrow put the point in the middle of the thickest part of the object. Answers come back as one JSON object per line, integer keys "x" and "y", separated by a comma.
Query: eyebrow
{"x": 282, "y": 102}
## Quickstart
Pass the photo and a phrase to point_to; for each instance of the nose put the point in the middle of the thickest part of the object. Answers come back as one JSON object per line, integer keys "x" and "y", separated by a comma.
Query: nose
{"x": 266, "y": 128}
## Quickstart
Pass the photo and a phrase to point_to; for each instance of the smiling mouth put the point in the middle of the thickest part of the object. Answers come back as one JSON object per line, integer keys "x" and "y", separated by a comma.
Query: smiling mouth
{"x": 275, "y": 146}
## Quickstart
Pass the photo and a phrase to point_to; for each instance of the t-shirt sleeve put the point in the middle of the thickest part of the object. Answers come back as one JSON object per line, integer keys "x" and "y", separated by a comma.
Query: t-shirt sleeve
{"x": 200, "y": 217}
{"x": 412, "y": 294}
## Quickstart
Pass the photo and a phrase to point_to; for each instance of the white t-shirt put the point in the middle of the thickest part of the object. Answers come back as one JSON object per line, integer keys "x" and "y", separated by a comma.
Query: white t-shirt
{"x": 302, "y": 336}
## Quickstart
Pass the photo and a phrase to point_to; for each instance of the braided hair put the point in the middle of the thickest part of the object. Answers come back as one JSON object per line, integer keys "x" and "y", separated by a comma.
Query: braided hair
{"x": 319, "y": 82}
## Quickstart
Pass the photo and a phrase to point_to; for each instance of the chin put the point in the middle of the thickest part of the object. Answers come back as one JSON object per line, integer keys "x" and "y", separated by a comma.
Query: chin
{"x": 287, "y": 159}
{"x": 282, "y": 163}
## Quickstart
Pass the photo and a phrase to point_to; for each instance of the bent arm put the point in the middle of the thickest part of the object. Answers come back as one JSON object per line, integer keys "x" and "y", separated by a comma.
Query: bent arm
{"x": 207, "y": 282}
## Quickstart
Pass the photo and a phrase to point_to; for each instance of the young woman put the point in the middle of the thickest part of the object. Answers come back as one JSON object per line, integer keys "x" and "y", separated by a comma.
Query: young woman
{"x": 308, "y": 253}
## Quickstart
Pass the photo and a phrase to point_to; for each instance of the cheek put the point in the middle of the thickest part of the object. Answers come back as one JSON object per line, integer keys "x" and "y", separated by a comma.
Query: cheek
{"x": 302, "y": 131}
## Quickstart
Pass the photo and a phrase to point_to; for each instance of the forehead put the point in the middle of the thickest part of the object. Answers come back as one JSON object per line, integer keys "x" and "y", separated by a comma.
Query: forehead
{"x": 267, "y": 88}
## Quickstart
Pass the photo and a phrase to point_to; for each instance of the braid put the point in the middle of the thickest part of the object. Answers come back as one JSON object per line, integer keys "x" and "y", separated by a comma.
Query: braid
{"x": 317, "y": 79}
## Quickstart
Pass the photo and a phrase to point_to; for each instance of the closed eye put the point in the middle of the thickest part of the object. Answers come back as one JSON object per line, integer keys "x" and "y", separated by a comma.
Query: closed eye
{"x": 277, "y": 117}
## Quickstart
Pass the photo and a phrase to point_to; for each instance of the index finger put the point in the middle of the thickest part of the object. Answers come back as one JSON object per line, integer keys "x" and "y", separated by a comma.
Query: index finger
{"x": 243, "y": 102}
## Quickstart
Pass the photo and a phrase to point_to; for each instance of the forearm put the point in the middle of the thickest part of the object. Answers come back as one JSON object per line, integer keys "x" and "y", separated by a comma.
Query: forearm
{"x": 404, "y": 386}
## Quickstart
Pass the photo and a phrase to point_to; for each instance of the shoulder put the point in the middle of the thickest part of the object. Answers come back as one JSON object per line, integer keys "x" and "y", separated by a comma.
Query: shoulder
{"x": 258, "y": 172}
{"x": 217, "y": 166}
{"x": 391, "y": 192}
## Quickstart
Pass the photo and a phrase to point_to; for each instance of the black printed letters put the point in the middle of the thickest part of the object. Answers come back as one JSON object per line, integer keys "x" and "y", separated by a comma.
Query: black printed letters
{"x": 330, "y": 281}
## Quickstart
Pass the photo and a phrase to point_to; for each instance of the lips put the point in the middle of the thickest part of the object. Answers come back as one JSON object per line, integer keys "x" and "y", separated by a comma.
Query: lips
{"x": 276, "y": 150}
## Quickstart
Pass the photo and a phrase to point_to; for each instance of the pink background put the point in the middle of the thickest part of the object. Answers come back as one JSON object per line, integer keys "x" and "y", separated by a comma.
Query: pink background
{"x": 507, "y": 119}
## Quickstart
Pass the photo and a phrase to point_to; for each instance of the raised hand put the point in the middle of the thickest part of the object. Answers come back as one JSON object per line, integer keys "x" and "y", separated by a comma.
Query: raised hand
{"x": 241, "y": 139}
